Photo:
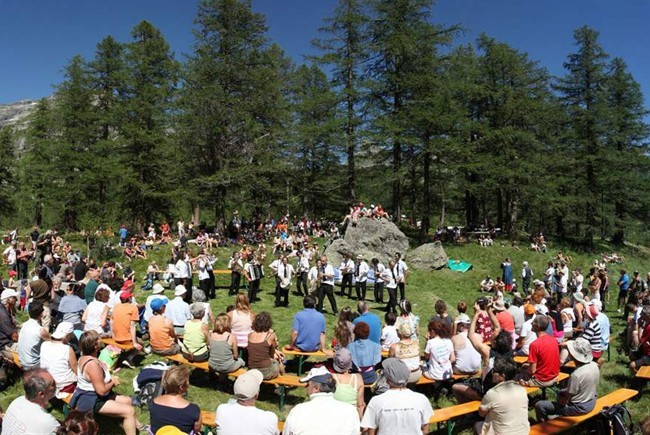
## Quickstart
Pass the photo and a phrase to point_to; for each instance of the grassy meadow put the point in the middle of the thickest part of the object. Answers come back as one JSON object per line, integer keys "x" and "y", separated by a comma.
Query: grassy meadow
{"x": 423, "y": 289}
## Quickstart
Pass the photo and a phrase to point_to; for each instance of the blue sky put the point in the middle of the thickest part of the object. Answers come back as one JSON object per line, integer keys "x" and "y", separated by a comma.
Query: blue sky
{"x": 38, "y": 37}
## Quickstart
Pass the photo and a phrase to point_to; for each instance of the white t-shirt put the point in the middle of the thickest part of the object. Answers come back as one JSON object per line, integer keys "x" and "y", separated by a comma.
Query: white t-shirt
{"x": 439, "y": 350}
{"x": 203, "y": 270}
{"x": 329, "y": 271}
{"x": 397, "y": 412}
{"x": 55, "y": 358}
{"x": 236, "y": 419}
{"x": 388, "y": 336}
{"x": 362, "y": 272}
{"x": 94, "y": 312}
{"x": 178, "y": 311}
{"x": 322, "y": 414}
{"x": 29, "y": 344}
{"x": 182, "y": 269}
{"x": 528, "y": 335}
{"x": 25, "y": 417}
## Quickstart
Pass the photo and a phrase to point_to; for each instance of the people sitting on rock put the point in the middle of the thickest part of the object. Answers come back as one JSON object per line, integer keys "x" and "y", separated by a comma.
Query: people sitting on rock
{"x": 308, "y": 329}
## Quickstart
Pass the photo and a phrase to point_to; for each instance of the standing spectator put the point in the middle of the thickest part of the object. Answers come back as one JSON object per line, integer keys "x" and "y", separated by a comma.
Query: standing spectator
{"x": 242, "y": 416}
{"x": 577, "y": 280}
{"x": 58, "y": 358}
{"x": 505, "y": 406}
{"x": 380, "y": 279}
{"x": 308, "y": 330}
{"x": 366, "y": 354}
{"x": 386, "y": 413}
{"x": 526, "y": 277}
{"x": 543, "y": 365}
{"x": 506, "y": 274}
{"x": 263, "y": 351}
{"x": 623, "y": 287}
{"x": 604, "y": 288}
{"x": 347, "y": 275}
{"x": 401, "y": 272}
{"x": 178, "y": 311}
{"x": 32, "y": 335}
{"x": 326, "y": 286}
{"x": 468, "y": 360}
{"x": 23, "y": 255}
{"x": 172, "y": 409}
{"x": 361, "y": 277}
{"x": 124, "y": 233}
{"x": 370, "y": 319}
{"x": 322, "y": 410}
{"x": 579, "y": 397}
{"x": 28, "y": 414}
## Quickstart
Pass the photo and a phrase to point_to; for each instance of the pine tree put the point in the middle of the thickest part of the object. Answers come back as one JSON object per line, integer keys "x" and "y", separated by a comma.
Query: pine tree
{"x": 344, "y": 50}
{"x": 6, "y": 172}
{"x": 232, "y": 105}
{"x": 583, "y": 94}
{"x": 146, "y": 156}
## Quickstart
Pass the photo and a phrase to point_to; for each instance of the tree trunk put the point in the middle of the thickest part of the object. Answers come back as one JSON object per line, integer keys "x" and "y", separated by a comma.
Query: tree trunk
{"x": 500, "y": 208}
{"x": 196, "y": 214}
{"x": 426, "y": 194}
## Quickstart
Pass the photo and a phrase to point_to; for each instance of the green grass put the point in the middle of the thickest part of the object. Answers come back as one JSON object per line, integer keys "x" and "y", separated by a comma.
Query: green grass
{"x": 423, "y": 289}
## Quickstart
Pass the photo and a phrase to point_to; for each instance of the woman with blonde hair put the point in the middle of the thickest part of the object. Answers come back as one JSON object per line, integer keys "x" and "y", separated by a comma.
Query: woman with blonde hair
{"x": 172, "y": 409}
{"x": 241, "y": 320}
{"x": 224, "y": 353}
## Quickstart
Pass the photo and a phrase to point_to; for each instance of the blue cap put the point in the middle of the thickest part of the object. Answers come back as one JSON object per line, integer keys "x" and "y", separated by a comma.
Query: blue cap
{"x": 158, "y": 303}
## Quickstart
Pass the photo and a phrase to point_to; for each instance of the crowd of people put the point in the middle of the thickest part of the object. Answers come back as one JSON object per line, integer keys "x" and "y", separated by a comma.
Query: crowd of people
{"x": 73, "y": 303}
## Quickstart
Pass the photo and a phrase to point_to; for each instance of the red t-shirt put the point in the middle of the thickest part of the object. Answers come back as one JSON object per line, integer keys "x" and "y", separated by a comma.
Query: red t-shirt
{"x": 546, "y": 353}
{"x": 645, "y": 340}
{"x": 506, "y": 321}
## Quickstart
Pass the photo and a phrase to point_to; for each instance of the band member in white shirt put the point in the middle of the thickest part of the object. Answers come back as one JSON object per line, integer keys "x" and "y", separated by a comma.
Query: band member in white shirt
{"x": 379, "y": 280}
{"x": 274, "y": 266}
{"x": 361, "y": 276}
{"x": 347, "y": 275}
{"x": 183, "y": 274}
{"x": 402, "y": 271}
{"x": 326, "y": 285}
{"x": 391, "y": 285}
{"x": 285, "y": 273}
{"x": 302, "y": 270}
{"x": 312, "y": 277}
{"x": 236, "y": 266}
{"x": 253, "y": 273}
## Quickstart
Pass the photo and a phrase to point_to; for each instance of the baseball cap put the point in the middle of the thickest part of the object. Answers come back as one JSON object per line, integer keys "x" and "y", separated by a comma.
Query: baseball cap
{"x": 247, "y": 386}
{"x": 9, "y": 293}
{"x": 396, "y": 371}
{"x": 128, "y": 285}
{"x": 158, "y": 303}
{"x": 529, "y": 310}
{"x": 157, "y": 289}
{"x": 126, "y": 295}
{"x": 63, "y": 329}
{"x": 342, "y": 360}
{"x": 317, "y": 374}
{"x": 541, "y": 309}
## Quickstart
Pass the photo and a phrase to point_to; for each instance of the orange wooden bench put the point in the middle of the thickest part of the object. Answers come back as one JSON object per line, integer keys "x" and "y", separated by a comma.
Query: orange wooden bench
{"x": 178, "y": 358}
{"x": 123, "y": 346}
{"x": 208, "y": 420}
{"x": 16, "y": 359}
{"x": 562, "y": 424}
{"x": 302, "y": 356}
{"x": 644, "y": 373}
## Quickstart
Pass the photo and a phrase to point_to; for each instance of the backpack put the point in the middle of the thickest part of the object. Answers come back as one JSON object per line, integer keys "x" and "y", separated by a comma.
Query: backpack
{"x": 616, "y": 420}
{"x": 148, "y": 383}
{"x": 147, "y": 393}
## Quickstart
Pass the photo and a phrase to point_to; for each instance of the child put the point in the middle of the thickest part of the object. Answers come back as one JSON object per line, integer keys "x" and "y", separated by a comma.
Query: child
{"x": 389, "y": 332}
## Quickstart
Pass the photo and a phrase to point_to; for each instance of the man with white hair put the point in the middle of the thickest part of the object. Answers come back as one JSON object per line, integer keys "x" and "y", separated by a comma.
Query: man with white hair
{"x": 398, "y": 410}
{"x": 178, "y": 311}
{"x": 322, "y": 413}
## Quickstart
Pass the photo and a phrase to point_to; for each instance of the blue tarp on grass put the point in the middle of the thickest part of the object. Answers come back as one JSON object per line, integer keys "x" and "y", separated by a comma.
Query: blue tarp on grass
{"x": 458, "y": 265}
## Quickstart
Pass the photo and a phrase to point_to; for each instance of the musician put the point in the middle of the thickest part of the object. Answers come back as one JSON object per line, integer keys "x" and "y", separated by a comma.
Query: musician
{"x": 253, "y": 273}
{"x": 285, "y": 273}
{"x": 391, "y": 277}
{"x": 302, "y": 270}
{"x": 313, "y": 278}
{"x": 400, "y": 275}
{"x": 347, "y": 273}
{"x": 326, "y": 276}
{"x": 274, "y": 266}
{"x": 361, "y": 276}
{"x": 236, "y": 266}
{"x": 380, "y": 280}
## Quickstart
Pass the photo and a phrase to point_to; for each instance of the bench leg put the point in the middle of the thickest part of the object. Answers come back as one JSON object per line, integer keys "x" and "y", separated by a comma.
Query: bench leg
{"x": 450, "y": 427}
{"x": 66, "y": 410}
{"x": 608, "y": 354}
{"x": 283, "y": 392}
{"x": 301, "y": 359}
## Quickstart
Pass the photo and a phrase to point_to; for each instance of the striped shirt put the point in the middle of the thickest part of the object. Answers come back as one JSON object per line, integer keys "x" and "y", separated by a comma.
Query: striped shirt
{"x": 593, "y": 334}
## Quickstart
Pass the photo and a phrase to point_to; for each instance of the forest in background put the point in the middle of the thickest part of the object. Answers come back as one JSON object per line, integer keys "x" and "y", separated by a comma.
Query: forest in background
{"x": 393, "y": 111}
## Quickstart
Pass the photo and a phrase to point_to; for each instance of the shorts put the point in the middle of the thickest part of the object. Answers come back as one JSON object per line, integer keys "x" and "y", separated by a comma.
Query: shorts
{"x": 270, "y": 372}
{"x": 622, "y": 294}
{"x": 640, "y": 359}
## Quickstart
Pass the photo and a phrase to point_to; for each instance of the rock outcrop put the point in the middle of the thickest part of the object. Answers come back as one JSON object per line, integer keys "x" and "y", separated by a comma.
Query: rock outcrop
{"x": 370, "y": 238}
{"x": 429, "y": 256}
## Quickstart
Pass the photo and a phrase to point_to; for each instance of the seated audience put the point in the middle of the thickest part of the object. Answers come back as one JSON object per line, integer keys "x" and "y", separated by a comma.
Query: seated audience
{"x": 505, "y": 406}
{"x": 172, "y": 409}
{"x": 366, "y": 354}
{"x": 78, "y": 423}
{"x": 95, "y": 317}
{"x": 407, "y": 350}
{"x": 263, "y": 353}
{"x": 162, "y": 336}
{"x": 580, "y": 395}
{"x": 224, "y": 352}
{"x": 8, "y": 324}
{"x": 95, "y": 384}
{"x": 32, "y": 335}
{"x": 641, "y": 337}
{"x": 195, "y": 341}
{"x": 486, "y": 285}
{"x": 349, "y": 386}
{"x": 389, "y": 332}
{"x": 370, "y": 319}
{"x": 178, "y": 311}
{"x": 322, "y": 410}
{"x": 28, "y": 414}
{"x": 407, "y": 316}
{"x": 71, "y": 307}
{"x": 241, "y": 320}
{"x": 441, "y": 313}
{"x": 543, "y": 365}
{"x": 58, "y": 358}
{"x": 439, "y": 352}
{"x": 468, "y": 360}
{"x": 242, "y": 416}
{"x": 527, "y": 335}
{"x": 386, "y": 413}
{"x": 485, "y": 324}
{"x": 308, "y": 329}
{"x": 344, "y": 329}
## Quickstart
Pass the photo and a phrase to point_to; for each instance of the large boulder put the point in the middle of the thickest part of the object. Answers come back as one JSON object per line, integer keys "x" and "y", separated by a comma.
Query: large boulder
{"x": 429, "y": 256}
{"x": 370, "y": 238}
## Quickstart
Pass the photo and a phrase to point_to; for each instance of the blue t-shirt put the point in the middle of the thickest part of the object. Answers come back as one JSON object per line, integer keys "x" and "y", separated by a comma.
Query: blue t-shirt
{"x": 373, "y": 323}
{"x": 624, "y": 282}
{"x": 123, "y": 233}
{"x": 365, "y": 356}
{"x": 309, "y": 324}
